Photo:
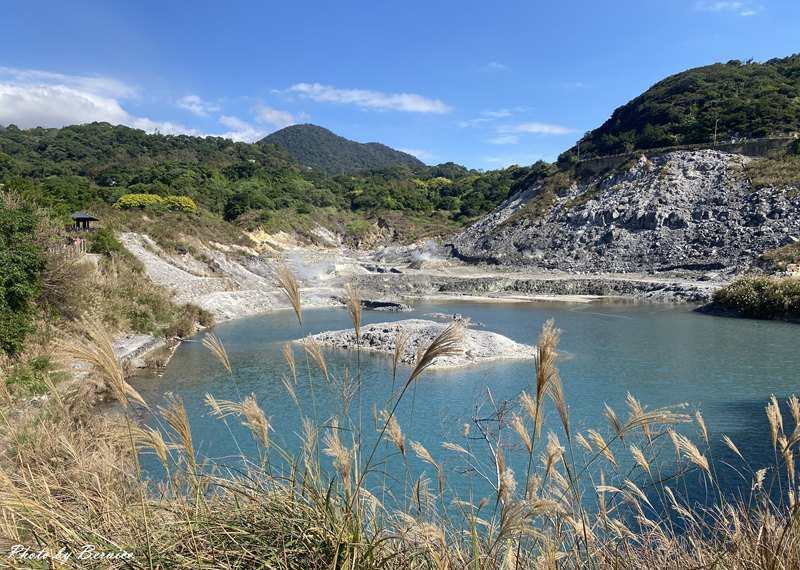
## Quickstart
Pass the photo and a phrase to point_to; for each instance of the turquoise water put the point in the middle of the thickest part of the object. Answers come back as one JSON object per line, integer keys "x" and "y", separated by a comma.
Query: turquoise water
{"x": 663, "y": 355}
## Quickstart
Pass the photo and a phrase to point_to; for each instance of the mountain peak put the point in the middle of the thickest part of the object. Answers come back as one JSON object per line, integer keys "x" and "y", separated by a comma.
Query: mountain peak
{"x": 320, "y": 149}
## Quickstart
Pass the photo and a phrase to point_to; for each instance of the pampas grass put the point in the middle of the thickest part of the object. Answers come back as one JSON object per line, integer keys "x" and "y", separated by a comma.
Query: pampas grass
{"x": 97, "y": 351}
{"x": 314, "y": 350}
{"x": 605, "y": 497}
{"x": 401, "y": 339}
{"x": 448, "y": 343}
{"x": 352, "y": 300}
{"x": 287, "y": 283}
{"x": 214, "y": 344}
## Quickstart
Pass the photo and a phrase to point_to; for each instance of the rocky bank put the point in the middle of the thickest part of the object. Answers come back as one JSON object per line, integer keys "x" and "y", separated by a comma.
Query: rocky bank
{"x": 693, "y": 210}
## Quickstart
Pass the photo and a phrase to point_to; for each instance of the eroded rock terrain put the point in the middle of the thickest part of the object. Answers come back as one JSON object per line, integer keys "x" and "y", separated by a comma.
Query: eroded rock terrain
{"x": 682, "y": 210}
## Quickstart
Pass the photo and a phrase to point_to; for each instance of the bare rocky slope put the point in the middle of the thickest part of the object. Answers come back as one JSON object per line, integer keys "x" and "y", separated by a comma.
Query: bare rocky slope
{"x": 682, "y": 210}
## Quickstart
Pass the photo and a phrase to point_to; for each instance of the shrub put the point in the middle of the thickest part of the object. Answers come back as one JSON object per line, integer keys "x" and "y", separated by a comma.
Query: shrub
{"x": 762, "y": 297}
{"x": 21, "y": 264}
{"x": 68, "y": 285}
{"x": 186, "y": 322}
{"x": 180, "y": 204}
{"x": 358, "y": 229}
{"x": 103, "y": 242}
{"x": 30, "y": 377}
{"x": 141, "y": 201}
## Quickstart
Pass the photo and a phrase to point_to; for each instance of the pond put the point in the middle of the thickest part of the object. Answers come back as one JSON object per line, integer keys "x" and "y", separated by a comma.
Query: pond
{"x": 665, "y": 355}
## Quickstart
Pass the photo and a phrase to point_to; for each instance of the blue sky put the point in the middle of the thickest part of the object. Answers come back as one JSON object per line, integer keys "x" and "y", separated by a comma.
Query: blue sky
{"x": 485, "y": 84}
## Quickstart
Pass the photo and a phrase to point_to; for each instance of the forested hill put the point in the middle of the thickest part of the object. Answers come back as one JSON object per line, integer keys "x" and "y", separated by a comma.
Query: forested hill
{"x": 327, "y": 152}
{"x": 738, "y": 99}
{"x": 74, "y": 167}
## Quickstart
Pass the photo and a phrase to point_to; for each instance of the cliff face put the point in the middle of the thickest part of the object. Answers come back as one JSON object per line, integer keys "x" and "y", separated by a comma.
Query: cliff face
{"x": 692, "y": 210}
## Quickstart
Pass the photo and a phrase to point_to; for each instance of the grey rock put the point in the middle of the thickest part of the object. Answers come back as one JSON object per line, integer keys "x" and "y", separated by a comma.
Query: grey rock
{"x": 681, "y": 209}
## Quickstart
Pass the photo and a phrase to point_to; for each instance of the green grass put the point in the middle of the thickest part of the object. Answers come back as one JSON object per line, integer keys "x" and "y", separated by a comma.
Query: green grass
{"x": 170, "y": 229}
{"x": 783, "y": 257}
{"x": 777, "y": 171}
{"x": 32, "y": 376}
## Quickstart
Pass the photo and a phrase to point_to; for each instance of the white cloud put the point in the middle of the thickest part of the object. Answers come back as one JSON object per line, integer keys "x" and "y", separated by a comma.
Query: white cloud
{"x": 106, "y": 86}
{"x": 509, "y": 160}
{"x": 743, "y": 8}
{"x": 495, "y": 66}
{"x": 499, "y": 114}
{"x": 33, "y": 98}
{"x": 490, "y": 115}
{"x": 55, "y": 106}
{"x": 275, "y": 117}
{"x": 473, "y": 122}
{"x": 241, "y": 131}
{"x": 504, "y": 139}
{"x": 196, "y": 105}
{"x": 421, "y": 154}
{"x": 366, "y": 99}
{"x": 535, "y": 128}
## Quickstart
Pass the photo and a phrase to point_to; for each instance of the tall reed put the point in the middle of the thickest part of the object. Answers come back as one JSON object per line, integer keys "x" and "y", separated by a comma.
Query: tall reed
{"x": 606, "y": 496}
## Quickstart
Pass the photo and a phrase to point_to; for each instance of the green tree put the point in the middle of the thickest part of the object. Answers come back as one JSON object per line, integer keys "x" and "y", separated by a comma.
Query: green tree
{"x": 21, "y": 264}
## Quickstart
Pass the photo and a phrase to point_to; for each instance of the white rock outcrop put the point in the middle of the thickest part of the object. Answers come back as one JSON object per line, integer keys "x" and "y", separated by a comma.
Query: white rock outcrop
{"x": 478, "y": 346}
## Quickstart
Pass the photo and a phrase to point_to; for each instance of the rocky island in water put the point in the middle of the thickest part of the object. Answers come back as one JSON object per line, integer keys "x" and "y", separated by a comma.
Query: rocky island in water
{"x": 478, "y": 346}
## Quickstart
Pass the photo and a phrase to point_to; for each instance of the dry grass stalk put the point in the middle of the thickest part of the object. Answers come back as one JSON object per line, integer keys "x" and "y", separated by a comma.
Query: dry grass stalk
{"x": 732, "y": 446}
{"x": 393, "y": 432}
{"x": 149, "y": 438}
{"x": 400, "y": 343}
{"x": 614, "y": 422}
{"x": 352, "y": 300}
{"x": 519, "y": 426}
{"x": 692, "y": 453}
{"x": 423, "y": 454}
{"x": 450, "y": 446}
{"x": 775, "y": 420}
{"x": 348, "y": 389}
{"x": 214, "y": 344}
{"x": 602, "y": 446}
{"x": 702, "y": 424}
{"x": 758, "y": 479}
{"x": 288, "y": 355}
{"x": 221, "y": 408}
{"x": 174, "y": 413}
{"x": 637, "y": 411}
{"x": 448, "y": 343}
{"x": 289, "y": 385}
{"x": 640, "y": 459}
{"x": 287, "y": 283}
{"x": 507, "y": 486}
{"x": 584, "y": 443}
{"x": 546, "y": 370}
{"x": 341, "y": 455}
{"x": 552, "y": 454}
{"x": 255, "y": 420}
{"x": 97, "y": 350}
{"x": 314, "y": 350}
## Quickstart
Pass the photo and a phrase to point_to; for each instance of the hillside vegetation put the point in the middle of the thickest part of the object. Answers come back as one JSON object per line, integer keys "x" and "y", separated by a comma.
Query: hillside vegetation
{"x": 734, "y": 100}
{"x": 322, "y": 150}
{"x": 251, "y": 184}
